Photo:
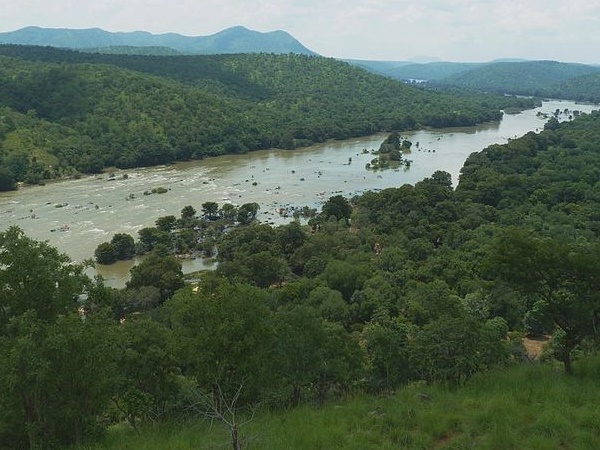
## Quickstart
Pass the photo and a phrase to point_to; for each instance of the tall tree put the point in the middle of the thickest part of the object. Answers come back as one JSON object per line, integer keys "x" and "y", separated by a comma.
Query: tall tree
{"x": 223, "y": 336}
{"x": 51, "y": 323}
{"x": 162, "y": 272}
{"x": 562, "y": 280}
{"x": 210, "y": 210}
{"x": 338, "y": 207}
{"x": 124, "y": 246}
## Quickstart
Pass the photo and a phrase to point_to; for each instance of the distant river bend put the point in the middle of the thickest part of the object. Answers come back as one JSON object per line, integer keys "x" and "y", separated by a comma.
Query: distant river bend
{"x": 77, "y": 215}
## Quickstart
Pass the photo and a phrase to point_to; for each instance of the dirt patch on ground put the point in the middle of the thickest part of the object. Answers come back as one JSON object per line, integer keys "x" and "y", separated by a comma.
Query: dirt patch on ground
{"x": 534, "y": 345}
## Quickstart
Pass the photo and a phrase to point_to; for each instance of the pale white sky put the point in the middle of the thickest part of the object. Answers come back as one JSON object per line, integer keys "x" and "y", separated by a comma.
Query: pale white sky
{"x": 452, "y": 30}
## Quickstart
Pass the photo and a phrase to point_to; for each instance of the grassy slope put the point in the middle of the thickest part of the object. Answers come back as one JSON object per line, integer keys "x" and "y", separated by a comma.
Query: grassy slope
{"x": 526, "y": 407}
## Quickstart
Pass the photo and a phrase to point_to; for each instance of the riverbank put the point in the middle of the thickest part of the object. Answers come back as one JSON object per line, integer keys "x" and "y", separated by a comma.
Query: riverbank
{"x": 97, "y": 207}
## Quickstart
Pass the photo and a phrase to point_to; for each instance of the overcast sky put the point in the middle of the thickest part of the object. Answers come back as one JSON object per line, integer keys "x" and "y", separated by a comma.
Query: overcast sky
{"x": 451, "y": 30}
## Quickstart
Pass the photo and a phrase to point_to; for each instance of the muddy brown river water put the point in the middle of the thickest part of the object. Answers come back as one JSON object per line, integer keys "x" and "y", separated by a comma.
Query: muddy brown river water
{"x": 77, "y": 215}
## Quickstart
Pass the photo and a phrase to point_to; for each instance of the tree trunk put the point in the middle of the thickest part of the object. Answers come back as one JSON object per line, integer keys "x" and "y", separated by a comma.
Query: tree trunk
{"x": 235, "y": 442}
{"x": 31, "y": 422}
{"x": 568, "y": 363}
{"x": 321, "y": 391}
{"x": 565, "y": 356}
{"x": 295, "y": 395}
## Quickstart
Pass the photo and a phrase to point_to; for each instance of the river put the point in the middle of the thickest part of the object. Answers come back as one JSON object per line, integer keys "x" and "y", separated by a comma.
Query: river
{"x": 77, "y": 215}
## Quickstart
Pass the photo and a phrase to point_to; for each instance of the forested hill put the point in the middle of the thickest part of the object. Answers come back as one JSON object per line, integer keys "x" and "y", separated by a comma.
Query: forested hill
{"x": 405, "y": 287}
{"x": 585, "y": 88}
{"x": 231, "y": 40}
{"x": 431, "y": 71}
{"x": 523, "y": 78}
{"x": 65, "y": 112}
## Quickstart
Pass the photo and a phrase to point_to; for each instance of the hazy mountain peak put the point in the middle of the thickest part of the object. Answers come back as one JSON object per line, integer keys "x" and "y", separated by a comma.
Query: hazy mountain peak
{"x": 423, "y": 59}
{"x": 237, "y": 39}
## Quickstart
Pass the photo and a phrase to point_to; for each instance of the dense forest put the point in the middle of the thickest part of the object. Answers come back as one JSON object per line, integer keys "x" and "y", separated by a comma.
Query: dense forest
{"x": 551, "y": 79}
{"x": 65, "y": 112}
{"x": 416, "y": 284}
{"x": 584, "y": 88}
{"x": 546, "y": 79}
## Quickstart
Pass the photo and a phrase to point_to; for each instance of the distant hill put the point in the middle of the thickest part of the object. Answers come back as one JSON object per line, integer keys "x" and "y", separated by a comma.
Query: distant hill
{"x": 579, "y": 82}
{"x": 232, "y": 40}
{"x": 525, "y": 78}
{"x": 379, "y": 67}
{"x": 131, "y": 50}
{"x": 431, "y": 71}
{"x": 70, "y": 111}
{"x": 409, "y": 70}
{"x": 585, "y": 88}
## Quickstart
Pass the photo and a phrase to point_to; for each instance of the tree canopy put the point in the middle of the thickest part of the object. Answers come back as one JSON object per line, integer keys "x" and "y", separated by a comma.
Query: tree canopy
{"x": 417, "y": 284}
{"x": 64, "y": 112}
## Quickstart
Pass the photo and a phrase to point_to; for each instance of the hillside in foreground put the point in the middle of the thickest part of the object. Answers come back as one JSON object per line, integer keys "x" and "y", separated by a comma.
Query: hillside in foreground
{"x": 526, "y": 407}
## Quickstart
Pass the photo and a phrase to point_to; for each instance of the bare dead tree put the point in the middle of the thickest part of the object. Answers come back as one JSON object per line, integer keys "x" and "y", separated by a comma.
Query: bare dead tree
{"x": 218, "y": 408}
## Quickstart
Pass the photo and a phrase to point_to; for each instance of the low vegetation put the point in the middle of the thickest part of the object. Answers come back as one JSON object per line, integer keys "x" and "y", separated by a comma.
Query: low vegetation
{"x": 532, "y": 406}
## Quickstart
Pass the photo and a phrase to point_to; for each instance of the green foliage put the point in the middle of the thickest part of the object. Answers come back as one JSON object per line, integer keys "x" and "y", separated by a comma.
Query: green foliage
{"x": 346, "y": 277}
{"x": 314, "y": 356}
{"x": 150, "y": 237}
{"x": 385, "y": 342}
{"x": 162, "y": 272}
{"x": 7, "y": 180}
{"x": 522, "y": 407}
{"x": 247, "y": 213}
{"x": 166, "y": 223}
{"x": 123, "y": 245}
{"x": 35, "y": 277}
{"x": 429, "y": 285}
{"x": 148, "y": 382}
{"x": 338, "y": 207}
{"x": 105, "y": 253}
{"x": 445, "y": 350}
{"x": 65, "y": 111}
{"x": 188, "y": 212}
{"x": 51, "y": 321}
{"x": 210, "y": 210}
{"x": 562, "y": 277}
{"x": 582, "y": 88}
{"x": 523, "y": 78}
{"x": 222, "y": 338}
{"x": 291, "y": 237}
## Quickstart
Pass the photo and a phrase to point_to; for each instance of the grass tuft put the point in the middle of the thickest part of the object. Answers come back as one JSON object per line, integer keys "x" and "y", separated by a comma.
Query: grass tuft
{"x": 525, "y": 407}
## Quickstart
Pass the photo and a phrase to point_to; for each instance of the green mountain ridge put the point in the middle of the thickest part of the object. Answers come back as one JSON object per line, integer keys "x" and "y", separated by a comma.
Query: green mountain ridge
{"x": 551, "y": 79}
{"x": 523, "y": 78}
{"x": 232, "y": 40}
{"x": 67, "y": 111}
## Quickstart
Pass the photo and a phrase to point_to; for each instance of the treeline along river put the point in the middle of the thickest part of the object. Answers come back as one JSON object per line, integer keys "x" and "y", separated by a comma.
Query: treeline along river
{"x": 77, "y": 215}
